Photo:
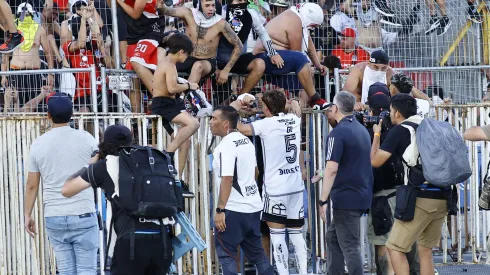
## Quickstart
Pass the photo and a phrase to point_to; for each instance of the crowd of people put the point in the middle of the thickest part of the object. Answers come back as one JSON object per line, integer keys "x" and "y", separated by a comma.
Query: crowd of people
{"x": 251, "y": 163}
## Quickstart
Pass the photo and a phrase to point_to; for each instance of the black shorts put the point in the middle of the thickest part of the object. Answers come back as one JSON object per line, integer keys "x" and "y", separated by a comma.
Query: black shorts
{"x": 241, "y": 65}
{"x": 168, "y": 108}
{"x": 186, "y": 67}
{"x": 86, "y": 101}
{"x": 148, "y": 255}
{"x": 27, "y": 85}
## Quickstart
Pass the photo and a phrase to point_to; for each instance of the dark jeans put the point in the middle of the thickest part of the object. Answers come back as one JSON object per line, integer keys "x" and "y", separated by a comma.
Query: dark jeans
{"x": 242, "y": 229}
{"x": 344, "y": 243}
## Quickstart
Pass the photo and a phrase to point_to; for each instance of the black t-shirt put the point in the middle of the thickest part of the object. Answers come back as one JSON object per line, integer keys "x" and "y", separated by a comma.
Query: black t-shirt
{"x": 98, "y": 177}
{"x": 325, "y": 39}
{"x": 390, "y": 174}
{"x": 396, "y": 142}
{"x": 144, "y": 28}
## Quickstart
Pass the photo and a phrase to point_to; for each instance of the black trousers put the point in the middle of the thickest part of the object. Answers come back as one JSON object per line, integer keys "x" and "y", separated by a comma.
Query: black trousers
{"x": 148, "y": 255}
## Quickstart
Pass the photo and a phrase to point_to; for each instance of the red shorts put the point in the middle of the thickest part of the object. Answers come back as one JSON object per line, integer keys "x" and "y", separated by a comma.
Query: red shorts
{"x": 144, "y": 53}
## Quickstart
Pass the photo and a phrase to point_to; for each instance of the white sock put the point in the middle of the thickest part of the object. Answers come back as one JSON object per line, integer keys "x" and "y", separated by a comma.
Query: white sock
{"x": 296, "y": 238}
{"x": 278, "y": 240}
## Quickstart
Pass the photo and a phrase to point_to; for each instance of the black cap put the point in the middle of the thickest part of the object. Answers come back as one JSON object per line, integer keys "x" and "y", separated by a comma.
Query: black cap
{"x": 60, "y": 107}
{"x": 379, "y": 57}
{"x": 118, "y": 135}
{"x": 379, "y": 96}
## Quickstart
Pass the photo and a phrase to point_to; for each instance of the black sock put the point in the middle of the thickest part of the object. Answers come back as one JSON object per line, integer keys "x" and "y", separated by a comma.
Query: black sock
{"x": 172, "y": 154}
{"x": 314, "y": 97}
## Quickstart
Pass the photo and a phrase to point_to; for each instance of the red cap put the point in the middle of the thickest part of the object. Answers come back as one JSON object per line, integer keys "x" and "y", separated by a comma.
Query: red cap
{"x": 348, "y": 32}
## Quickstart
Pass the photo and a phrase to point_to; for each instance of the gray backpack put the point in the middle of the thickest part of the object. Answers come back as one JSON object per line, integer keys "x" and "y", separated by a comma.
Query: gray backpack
{"x": 443, "y": 153}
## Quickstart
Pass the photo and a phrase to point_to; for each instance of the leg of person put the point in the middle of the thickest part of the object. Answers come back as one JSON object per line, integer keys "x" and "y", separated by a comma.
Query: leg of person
{"x": 434, "y": 21}
{"x": 14, "y": 39}
{"x": 199, "y": 70}
{"x": 473, "y": 13}
{"x": 183, "y": 153}
{"x": 56, "y": 229}
{"x": 404, "y": 234}
{"x": 413, "y": 260}
{"x": 85, "y": 231}
{"x": 256, "y": 70}
{"x": 335, "y": 256}
{"x": 275, "y": 214}
{"x": 227, "y": 242}
{"x": 252, "y": 245}
{"x": 122, "y": 264}
{"x": 385, "y": 266}
{"x": 159, "y": 265}
{"x": 144, "y": 59}
{"x": 348, "y": 228}
{"x": 431, "y": 236}
{"x": 445, "y": 22}
{"x": 295, "y": 222}
{"x": 189, "y": 126}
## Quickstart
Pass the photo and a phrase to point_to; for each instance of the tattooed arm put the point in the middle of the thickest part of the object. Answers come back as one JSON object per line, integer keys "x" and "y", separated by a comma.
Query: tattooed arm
{"x": 179, "y": 12}
{"x": 231, "y": 36}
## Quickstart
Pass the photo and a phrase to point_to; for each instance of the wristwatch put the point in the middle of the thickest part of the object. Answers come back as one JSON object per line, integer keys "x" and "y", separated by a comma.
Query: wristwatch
{"x": 322, "y": 203}
{"x": 220, "y": 210}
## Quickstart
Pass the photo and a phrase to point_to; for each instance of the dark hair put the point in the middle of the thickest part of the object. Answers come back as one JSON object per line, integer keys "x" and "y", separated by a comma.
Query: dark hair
{"x": 61, "y": 118}
{"x": 106, "y": 149}
{"x": 332, "y": 62}
{"x": 432, "y": 90}
{"x": 403, "y": 83}
{"x": 405, "y": 104}
{"x": 275, "y": 101}
{"x": 229, "y": 114}
{"x": 176, "y": 42}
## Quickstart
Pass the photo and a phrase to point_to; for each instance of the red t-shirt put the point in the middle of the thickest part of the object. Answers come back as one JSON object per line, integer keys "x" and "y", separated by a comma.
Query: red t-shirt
{"x": 150, "y": 7}
{"x": 84, "y": 58}
{"x": 350, "y": 59}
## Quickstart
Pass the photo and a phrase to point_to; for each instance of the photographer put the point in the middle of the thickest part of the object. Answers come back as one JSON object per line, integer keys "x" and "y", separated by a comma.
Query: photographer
{"x": 429, "y": 205}
{"x": 386, "y": 179}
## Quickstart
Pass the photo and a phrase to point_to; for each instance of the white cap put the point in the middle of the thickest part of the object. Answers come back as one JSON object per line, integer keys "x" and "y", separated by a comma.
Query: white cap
{"x": 311, "y": 14}
{"x": 25, "y": 7}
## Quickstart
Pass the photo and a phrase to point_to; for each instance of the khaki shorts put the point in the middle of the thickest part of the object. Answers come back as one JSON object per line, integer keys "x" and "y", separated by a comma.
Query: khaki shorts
{"x": 372, "y": 238}
{"x": 426, "y": 226}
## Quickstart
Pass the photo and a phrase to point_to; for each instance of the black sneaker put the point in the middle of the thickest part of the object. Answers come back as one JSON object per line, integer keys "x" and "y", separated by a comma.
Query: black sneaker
{"x": 185, "y": 191}
{"x": 474, "y": 15}
{"x": 13, "y": 42}
{"x": 444, "y": 27}
{"x": 434, "y": 23}
{"x": 392, "y": 21}
{"x": 381, "y": 7}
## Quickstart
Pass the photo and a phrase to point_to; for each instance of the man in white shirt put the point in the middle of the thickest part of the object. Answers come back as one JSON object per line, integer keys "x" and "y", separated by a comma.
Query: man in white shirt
{"x": 237, "y": 217}
{"x": 283, "y": 186}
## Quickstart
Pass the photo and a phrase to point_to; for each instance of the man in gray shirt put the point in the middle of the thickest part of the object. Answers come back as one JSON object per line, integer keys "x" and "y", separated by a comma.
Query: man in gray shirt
{"x": 71, "y": 223}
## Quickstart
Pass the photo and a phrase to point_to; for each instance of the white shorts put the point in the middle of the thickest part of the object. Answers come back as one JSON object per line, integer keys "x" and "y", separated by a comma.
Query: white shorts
{"x": 287, "y": 209}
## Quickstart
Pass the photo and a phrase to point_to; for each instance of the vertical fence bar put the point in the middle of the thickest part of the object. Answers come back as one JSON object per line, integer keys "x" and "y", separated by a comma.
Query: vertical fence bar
{"x": 103, "y": 75}
{"x": 115, "y": 34}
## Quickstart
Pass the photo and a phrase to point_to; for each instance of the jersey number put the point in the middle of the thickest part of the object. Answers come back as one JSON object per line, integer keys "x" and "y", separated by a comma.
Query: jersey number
{"x": 291, "y": 148}
{"x": 141, "y": 48}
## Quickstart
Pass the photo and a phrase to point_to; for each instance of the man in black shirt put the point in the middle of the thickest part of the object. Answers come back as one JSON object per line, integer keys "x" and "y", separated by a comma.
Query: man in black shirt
{"x": 430, "y": 206}
{"x": 386, "y": 179}
{"x": 104, "y": 173}
{"x": 348, "y": 180}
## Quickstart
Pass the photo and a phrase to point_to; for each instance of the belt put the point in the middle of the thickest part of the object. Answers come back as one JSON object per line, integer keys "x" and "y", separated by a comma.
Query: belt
{"x": 86, "y": 215}
{"x": 428, "y": 194}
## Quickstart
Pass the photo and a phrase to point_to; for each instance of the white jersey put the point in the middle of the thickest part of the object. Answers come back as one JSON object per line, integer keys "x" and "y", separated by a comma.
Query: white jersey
{"x": 423, "y": 107}
{"x": 235, "y": 157}
{"x": 369, "y": 78}
{"x": 280, "y": 136}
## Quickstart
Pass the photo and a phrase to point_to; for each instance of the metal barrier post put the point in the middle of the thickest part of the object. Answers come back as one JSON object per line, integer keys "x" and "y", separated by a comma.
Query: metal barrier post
{"x": 115, "y": 34}
{"x": 103, "y": 80}
{"x": 336, "y": 74}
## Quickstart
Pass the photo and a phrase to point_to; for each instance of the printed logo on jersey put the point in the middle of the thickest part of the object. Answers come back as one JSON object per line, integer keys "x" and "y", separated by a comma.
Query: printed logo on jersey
{"x": 235, "y": 22}
{"x": 251, "y": 190}
{"x": 241, "y": 142}
{"x": 289, "y": 171}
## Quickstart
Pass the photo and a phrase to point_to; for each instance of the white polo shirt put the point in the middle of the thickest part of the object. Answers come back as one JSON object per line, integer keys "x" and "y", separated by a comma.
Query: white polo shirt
{"x": 235, "y": 157}
{"x": 280, "y": 136}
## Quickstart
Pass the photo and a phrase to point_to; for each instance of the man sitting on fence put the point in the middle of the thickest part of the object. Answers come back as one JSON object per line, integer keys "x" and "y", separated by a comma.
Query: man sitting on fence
{"x": 290, "y": 34}
{"x": 364, "y": 74}
{"x": 26, "y": 57}
{"x": 205, "y": 28}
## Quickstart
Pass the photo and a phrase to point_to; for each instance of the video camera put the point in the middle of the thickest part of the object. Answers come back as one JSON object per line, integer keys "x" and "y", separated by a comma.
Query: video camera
{"x": 368, "y": 121}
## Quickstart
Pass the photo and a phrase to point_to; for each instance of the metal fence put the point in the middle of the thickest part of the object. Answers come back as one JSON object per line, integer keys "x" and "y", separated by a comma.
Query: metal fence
{"x": 20, "y": 254}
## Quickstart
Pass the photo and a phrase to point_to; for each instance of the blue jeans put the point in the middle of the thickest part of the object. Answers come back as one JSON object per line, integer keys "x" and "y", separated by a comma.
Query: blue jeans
{"x": 75, "y": 240}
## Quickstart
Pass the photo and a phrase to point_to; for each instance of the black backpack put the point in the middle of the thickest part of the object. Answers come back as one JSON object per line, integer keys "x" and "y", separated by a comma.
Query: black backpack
{"x": 147, "y": 190}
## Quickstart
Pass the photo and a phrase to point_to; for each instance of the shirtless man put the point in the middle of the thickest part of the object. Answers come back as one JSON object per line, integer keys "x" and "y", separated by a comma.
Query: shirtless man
{"x": 290, "y": 35}
{"x": 15, "y": 39}
{"x": 205, "y": 27}
{"x": 365, "y": 74}
{"x": 27, "y": 57}
{"x": 166, "y": 87}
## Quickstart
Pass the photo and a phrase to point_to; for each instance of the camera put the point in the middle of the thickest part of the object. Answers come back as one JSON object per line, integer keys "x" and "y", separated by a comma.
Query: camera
{"x": 369, "y": 121}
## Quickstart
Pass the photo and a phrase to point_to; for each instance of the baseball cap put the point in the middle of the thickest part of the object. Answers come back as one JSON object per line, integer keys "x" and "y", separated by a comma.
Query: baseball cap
{"x": 118, "y": 135}
{"x": 25, "y": 7}
{"x": 60, "y": 107}
{"x": 379, "y": 96}
{"x": 379, "y": 57}
{"x": 348, "y": 32}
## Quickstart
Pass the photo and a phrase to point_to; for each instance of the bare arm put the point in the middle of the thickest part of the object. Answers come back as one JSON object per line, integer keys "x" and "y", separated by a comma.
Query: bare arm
{"x": 418, "y": 94}
{"x": 32, "y": 188}
{"x": 329, "y": 176}
{"x": 231, "y": 36}
{"x": 378, "y": 156}
{"x": 179, "y": 12}
{"x": 134, "y": 12}
{"x": 65, "y": 34}
{"x": 352, "y": 82}
{"x": 170, "y": 76}
{"x": 224, "y": 191}
{"x": 81, "y": 42}
{"x": 475, "y": 133}
{"x": 312, "y": 53}
{"x": 47, "y": 48}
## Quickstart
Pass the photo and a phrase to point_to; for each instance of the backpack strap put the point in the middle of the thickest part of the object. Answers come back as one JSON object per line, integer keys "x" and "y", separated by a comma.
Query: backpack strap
{"x": 163, "y": 233}
{"x": 486, "y": 175}
{"x": 151, "y": 159}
